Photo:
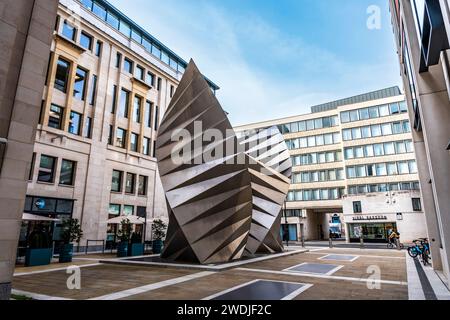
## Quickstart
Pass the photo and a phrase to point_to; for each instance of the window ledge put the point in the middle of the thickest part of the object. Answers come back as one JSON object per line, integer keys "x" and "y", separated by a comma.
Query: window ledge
{"x": 70, "y": 42}
{"x": 141, "y": 82}
{"x": 66, "y": 186}
{"x": 45, "y": 183}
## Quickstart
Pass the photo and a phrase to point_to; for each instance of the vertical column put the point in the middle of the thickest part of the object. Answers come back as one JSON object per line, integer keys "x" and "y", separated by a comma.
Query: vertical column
{"x": 69, "y": 95}
{"x": 25, "y": 56}
{"x": 50, "y": 87}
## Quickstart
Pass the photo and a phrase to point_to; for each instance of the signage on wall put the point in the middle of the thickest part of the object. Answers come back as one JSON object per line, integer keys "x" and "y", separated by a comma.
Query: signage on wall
{"x": 369, "y": 218}
{"x": 40, "y": 203}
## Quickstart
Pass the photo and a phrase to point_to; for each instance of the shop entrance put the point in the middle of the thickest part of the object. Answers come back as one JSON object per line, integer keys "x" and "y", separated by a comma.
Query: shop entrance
{"x": 48, "y": 232}
{"x": 289, "y": 231}
{"x": 371, "y": 232}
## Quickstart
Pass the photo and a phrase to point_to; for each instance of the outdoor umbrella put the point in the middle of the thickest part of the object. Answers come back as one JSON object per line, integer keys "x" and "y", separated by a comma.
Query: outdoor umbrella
{"x": 133, "y": 220}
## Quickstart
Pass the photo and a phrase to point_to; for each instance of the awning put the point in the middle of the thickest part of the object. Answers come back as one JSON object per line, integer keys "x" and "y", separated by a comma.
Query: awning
{"x": 33, "y": 217}
{"x": 162, "y": 218}
{"x": 133, "y": 220}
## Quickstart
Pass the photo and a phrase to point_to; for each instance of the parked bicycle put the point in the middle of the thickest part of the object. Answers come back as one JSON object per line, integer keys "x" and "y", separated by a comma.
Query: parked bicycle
{"x": 421, "y": 248}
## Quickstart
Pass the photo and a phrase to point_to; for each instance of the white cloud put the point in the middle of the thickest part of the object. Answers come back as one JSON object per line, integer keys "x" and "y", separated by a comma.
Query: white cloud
{"x": 250, "y": 92}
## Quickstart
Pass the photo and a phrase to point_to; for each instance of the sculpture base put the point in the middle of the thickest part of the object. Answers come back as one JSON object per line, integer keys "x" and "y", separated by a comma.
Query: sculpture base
{"x": 157, "y": 261}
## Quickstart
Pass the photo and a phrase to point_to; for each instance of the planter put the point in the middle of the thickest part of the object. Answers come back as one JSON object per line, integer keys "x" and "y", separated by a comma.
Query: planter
{"x": 66, "y": 253}
{"x": 157, "y": 246}
{"x": 136, "y": 249}
{"x": 122, "y": 250}
{"x": 38, "y": 257}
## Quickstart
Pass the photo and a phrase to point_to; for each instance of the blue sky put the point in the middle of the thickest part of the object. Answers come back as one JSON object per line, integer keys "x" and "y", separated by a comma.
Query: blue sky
{"x": 276, "y": 58}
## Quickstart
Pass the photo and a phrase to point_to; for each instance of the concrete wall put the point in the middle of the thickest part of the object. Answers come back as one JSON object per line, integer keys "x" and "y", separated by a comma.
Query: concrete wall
{"x": 432, "y": 92}
{"x": 25, "y": 32}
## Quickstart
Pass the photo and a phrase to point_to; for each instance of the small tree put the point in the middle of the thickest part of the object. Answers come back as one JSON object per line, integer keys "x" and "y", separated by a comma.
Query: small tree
{"x": 71, "y": 231}
{"x": 159, "y": 229}
{"x": 125, "y": 230}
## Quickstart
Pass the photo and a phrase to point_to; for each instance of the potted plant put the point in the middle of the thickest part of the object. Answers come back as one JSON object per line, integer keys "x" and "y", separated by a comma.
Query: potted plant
{"x": 71, "y": 232}
{"x": 124, "y": 236}
{"x": 39, "y": 252}
{"x": 136, "y": 247}
{"x": 159, "y": 233}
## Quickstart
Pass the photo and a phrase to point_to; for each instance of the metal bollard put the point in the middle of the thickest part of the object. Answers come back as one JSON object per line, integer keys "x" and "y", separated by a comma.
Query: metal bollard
{"x": 361, "y": 242}
{"x": 330, "y": 241}
{"x": 397, "y": 242}
{"x": 303, "y": 241}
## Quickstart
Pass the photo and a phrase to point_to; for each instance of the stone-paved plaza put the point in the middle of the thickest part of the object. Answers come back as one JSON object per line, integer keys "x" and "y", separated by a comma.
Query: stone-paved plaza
{"x": 321, "y": 273}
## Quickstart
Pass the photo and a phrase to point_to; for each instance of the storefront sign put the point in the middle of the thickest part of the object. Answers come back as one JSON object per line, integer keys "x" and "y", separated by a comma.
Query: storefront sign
{"x": 369, "y": 218}
{"x": 40, "y": 203}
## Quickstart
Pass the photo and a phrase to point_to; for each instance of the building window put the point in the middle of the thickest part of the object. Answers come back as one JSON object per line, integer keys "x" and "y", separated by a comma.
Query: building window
{"x": 128, "y": 65}
{"x": 116, "y": 183}
{"x": 62, "y": 75}
{"x": 114, "y": 99}
{"x": 130, "y": 183}
{"x": 47, "y": 169}
{"x": 68, "y": 31}
{"x": 67, "y": 173}
{"x": 55, "y": 117}
{"x": 154, "y": 149}
{"x": 147, "y": 114}
{"x": 137, "y": 109}
{"x": 98, "y": 48}
{"x": 417, "y": 205}
{"x": 121, "y": 138}
{"x": 58, "y": 18}
{"x": 134, "y": 142}
{"x": 151, "y": 79}
{"x": 128, "y": 210}
{"x": 86, "y": 41}
{"x": 158, "y": 86}
{"x": 136, "y": 36}
{"x": 172, "y": 90}
{"x": 80, "y": 84}
{"x": 93, "y": 90}
{"x": 125, "y": 28}
{"x": 114, "y": 209}
{"x": 88, "y": 128}
{"x": 118, "y": 59}
{"x": 156, "y": 117}
{"x": 31, "y": 172}
{"x": 123, "y": 103}
{"x": 142, "y": 187}
{"x": 140, "y": 73}
{"x": 99, "y": 10}
{"x": 403, "y": 167}
{"x": 146, "y": 146}
{"x": 75, "y": 123}
{"x": 394, "y": 108}
{"x": 357, "y": 208}
{"x": 110, "y": 135}
{"x": 112, "y": 20}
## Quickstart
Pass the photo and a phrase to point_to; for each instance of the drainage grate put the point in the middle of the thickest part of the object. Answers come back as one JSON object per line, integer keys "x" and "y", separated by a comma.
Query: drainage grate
{"x": 262, "y": 290}
{"x": 315, "y": 268}
{"x": 339, "y": 257}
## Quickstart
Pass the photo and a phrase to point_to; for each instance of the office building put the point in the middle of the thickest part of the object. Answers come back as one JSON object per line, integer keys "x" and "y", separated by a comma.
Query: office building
{"x": 108, "y": 84}
{"x": 25, "y": 33}
{"x": 354, "y": 168}
{"x": 422, "y": 29}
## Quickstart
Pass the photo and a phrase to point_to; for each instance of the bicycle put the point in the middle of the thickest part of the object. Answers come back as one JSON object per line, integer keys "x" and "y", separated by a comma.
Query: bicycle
{"x": 393, "y": 244}
{"x": 422, "y": 250}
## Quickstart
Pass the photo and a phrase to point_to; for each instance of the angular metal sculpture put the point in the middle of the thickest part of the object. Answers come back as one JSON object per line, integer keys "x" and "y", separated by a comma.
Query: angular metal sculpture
{"x": 225, "y": 196}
